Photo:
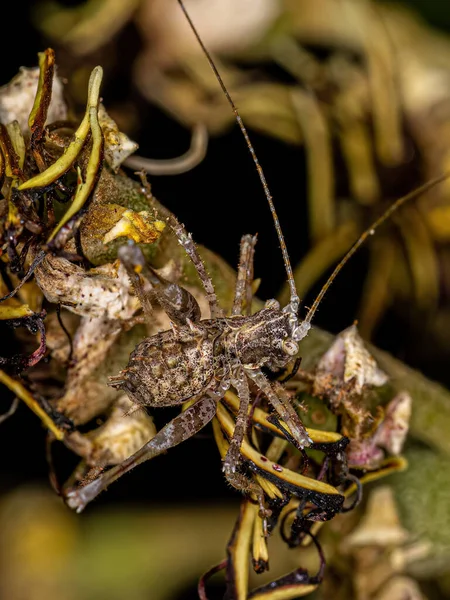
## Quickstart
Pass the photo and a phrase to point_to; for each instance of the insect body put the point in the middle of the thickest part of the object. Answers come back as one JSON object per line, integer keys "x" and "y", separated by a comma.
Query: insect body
{"x": 177, "y": 365}
{"x": 201, "y": 359}
{"x": 198, "y": 360}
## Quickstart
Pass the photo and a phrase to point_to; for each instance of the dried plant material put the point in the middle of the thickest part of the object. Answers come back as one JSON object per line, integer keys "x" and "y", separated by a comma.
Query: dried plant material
{"x": 125, "y": 431}
{"x": 343, "y": 374}
{"x": 321, "y": 494}
{"x": 90, "y": 120}
{"x": 86, "y": 394}
{"x": 380, "y": 525}
{"x": 382, "y": 550}
{"x": 389, "y": 434}
{"x": 400, "y": 588}
{"x": 376, "y": 100}
{"x": 363, "y": 453}
{"x": 10, "y": 158}
{"x": 238, "y": 550}
{"x": 317, "y": 141}
{"x": 347, "y": 361}
{"x": 17, "y": 142}
{"x": 392, "y": 432}
{"x": 118, "y": 146}
{"x": 261, "y": 417}
{"x": 377, "y": 294}
{"x": 85, "y": 187}
{"x": 321, "y": 257}
{"x": 59, "y": 340}
{"x": 260, "y": 550}
{"x": 42, "y": 99}
{"x": 101, "y": 292}
{"x": 242, "y": 543}
{"x": 11, "y": 410}
{"x": 422, "y": 258}
{"x": 21, "y": 392}
{"x": 140, "y": 227}
{"x": 18, "y": 96}
{"x": 379, "y": 95}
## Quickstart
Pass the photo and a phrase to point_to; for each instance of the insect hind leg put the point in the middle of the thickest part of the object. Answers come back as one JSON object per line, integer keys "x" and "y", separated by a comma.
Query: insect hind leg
{"x": 179, "y": 429}
{"x": 179, "y": 304}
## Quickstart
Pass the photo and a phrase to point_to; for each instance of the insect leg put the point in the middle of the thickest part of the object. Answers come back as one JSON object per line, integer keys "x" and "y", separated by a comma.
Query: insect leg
{"x": 181, "y": 428}
{"x": 232, "y": 458}
{"x": 243, "y": 292}
{"x": 185, "y": 239}
{"x": 279, "y": 399}
{"x": 178, "y": 303}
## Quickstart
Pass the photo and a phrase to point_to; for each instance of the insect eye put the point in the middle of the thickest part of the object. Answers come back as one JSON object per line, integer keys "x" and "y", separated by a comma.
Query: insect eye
{"x": 290, "y": 347}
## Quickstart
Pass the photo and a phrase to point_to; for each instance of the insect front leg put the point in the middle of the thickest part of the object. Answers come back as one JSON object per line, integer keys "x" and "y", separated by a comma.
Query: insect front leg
{"x": 181, "y": 428}
{"x": 243, "y": 293}
{"x": 281, "y": 402}
{"x": 185, "y": 239}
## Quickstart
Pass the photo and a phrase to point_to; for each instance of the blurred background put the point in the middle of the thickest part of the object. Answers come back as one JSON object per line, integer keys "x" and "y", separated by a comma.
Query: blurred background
{"x": 348, "y": 107}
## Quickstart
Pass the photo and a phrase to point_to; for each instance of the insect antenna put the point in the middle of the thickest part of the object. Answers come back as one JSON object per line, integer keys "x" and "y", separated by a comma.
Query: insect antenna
{"x": 294, "y": 299}
{"x": 367, "y": 233}
{"x": 294, "y": 303}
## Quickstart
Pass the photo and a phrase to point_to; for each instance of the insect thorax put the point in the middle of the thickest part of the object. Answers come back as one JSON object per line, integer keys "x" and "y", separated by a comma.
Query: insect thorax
{"x": 260, "y": 339}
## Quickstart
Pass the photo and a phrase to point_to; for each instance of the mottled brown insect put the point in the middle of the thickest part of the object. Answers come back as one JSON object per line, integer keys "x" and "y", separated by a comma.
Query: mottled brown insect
{"x": 198, "y": 360}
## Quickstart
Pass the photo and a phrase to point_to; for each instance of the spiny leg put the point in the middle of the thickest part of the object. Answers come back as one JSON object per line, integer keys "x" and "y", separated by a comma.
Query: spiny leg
{"x": 185, "y": 239}
{"x": 133, "y": 260}
{"x": 181, "y": 428}
{"x": 178, "y": 303}
{"x": 233, "y": 456}
{"x": 281, "y": 402}
{"x": 243, "y": 291}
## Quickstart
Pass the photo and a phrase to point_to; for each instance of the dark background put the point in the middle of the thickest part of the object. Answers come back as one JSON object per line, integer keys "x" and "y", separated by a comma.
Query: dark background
{"x": 218, "y": 201}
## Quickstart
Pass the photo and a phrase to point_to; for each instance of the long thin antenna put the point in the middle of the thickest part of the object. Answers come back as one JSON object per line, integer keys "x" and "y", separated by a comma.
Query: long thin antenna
{"x": 295, "y": 301}
{"x": 368, "y": 232}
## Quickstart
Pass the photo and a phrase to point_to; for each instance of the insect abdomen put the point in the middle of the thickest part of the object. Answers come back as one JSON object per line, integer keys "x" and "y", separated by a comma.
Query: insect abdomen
{"x": 165, "y": 370}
